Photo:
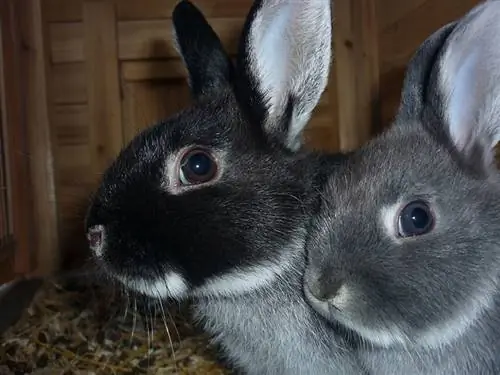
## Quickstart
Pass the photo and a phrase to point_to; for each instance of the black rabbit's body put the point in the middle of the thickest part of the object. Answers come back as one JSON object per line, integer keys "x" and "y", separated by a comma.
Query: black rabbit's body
{"x": 405, "y": 248}
{"x": 212, "y": 204}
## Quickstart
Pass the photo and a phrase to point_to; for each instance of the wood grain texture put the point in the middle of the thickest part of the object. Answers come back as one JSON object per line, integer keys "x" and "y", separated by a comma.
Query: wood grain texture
{"x": 105, "y": 127}
{"x": 35, "y": 54}
{"x": 148, "y": 102}
{"x": 71, "y": 10}
{"x": 16, "y": 138}
{"x": 357, "y": 70}
{"x": 400, "y": 39}
{"x": 141, "y": 39}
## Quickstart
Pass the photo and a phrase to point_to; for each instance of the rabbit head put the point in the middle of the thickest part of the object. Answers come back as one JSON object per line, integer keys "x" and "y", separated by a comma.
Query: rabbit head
{"x": 205, "y": 202}
{"x": 406, "y": 246}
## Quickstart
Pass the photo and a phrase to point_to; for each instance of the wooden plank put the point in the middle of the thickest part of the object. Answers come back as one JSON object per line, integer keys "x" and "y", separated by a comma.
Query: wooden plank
{"x": 70, "y": 124}
{"x": 394, "y": 10}
{"x": 75, "y": 176}
{"x": 357, "y": 71}
{"x": 4, "y": 213}
{"x": 63, "y": 10}
{"x": 71, "y": 10}
{"x": 134, "y": 10}
{"x": 13, "y": 89}
{"x": 148, "y": 70}
{"x": 69, "y": 84}
{"x": 146, "y": 103}
{"x": 399, "y": 40}
{"x": 69, "y": 156}
{"x": 137, "y": 40}
{"x": 35, "y": 55}
{"x": 322, "y": 138}
{"x": 66, "y": 40}
{"x": 154, "y": 38}
{"x": 105, "y": 132}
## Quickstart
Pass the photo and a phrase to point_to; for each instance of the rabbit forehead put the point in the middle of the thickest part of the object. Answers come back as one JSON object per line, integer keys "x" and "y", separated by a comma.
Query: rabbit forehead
{"x": 394, "y": 166}
{"x": 398, "y": 168}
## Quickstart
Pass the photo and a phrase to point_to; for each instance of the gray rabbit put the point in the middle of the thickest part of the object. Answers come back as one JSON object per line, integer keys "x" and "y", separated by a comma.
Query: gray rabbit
{"x": 405, "y": 252}
{"x": 212, "y": 204}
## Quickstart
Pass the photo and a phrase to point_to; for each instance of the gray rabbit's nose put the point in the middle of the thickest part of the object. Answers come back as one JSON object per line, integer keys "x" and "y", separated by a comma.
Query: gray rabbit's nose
{"x": 324, "y": 290}
{"x": 96, "y": 239}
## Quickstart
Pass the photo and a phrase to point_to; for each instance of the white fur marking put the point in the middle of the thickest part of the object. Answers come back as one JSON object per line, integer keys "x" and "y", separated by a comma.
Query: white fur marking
{"x": 342, "y": 298}
{"x": 172, "y": 285}
{"x": 389, "y": 220}
{"x": 251, "y": 278}
{"x": 241, "y": 281}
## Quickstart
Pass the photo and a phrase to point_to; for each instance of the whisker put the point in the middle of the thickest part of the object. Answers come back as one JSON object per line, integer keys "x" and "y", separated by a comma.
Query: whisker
{"x": 134, "y": 321}
{"x": 164, "y": 318}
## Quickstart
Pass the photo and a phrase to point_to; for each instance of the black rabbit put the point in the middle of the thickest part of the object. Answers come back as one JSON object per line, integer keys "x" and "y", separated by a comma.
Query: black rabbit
{"x": 213, "y": 203}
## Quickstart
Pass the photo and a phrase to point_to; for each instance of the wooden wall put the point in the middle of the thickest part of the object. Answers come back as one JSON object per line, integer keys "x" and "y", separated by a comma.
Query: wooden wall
{"x": 403, "y": 26}
{"x": 113, "y": 71}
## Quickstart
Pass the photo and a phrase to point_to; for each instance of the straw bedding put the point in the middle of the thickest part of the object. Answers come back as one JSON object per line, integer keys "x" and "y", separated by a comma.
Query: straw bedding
{"x": 74, "y": 328}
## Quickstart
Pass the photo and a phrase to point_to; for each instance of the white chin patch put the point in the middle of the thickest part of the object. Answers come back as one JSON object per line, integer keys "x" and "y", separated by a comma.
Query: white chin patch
{"x": 242, "y": 281}
{"x": 171, "y": 286}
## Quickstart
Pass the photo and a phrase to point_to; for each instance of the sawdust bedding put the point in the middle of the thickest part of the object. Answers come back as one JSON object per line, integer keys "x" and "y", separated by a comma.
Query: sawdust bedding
{"x": 85, "y": 328}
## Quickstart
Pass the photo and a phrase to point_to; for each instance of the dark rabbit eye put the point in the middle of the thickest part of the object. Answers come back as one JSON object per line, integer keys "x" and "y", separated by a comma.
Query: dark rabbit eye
{"x": 415, "y": 219}
{"x": 197, "y": 167}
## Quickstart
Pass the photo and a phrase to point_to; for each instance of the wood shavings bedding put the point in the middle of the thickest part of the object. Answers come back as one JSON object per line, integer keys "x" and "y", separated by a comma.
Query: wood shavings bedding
{"x": 74, "y": 328}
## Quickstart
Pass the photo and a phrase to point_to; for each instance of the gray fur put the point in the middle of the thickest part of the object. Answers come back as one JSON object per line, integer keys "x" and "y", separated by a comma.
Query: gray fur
{"x": 274, "y": 331}
{"x": 428, "y": 304}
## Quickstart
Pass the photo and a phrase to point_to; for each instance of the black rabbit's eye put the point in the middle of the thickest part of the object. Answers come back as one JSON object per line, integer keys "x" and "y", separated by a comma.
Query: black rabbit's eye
{"x": 415, "y": 219}
{"x": 197, "y": 167}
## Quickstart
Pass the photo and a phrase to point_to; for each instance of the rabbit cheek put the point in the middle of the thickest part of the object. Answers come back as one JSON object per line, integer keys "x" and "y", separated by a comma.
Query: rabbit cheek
{"x": 171, "y": 285}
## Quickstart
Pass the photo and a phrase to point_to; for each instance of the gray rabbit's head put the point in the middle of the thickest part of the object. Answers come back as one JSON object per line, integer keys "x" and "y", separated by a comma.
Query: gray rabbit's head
{"x": 406, "y": 247}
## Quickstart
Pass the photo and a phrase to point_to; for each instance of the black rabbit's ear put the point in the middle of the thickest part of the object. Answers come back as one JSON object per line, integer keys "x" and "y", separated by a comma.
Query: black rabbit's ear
{"x": 467, "y": 86}
{"x": 209, "y": 66}
{"x": 283, "y": 65}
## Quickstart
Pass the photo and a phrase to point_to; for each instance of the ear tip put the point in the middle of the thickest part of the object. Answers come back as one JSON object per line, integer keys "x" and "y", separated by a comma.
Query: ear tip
{"x": 184, "y": 9}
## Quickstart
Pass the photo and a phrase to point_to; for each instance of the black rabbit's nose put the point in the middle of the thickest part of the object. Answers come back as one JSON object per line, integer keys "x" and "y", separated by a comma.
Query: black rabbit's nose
{"x": 96, "y": 237}
{"x": 324, "y": 290}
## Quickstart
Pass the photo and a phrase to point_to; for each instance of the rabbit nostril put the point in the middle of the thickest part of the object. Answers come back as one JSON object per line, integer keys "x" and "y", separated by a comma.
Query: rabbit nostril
{"x": 95, "y": 237}
{"x": 325, "y": 290}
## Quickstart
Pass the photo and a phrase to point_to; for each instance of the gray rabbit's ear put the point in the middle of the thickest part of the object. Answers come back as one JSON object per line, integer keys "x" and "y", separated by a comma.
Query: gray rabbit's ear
{"x": 209, "y": 66}
{"x": 418, "y": 76}
{"x": 283, "y": 65}
{"x": 468, "y": 85}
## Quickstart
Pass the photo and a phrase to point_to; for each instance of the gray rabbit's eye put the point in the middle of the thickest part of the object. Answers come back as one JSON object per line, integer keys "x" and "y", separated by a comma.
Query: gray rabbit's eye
{"x": 197, "y": 166}
{"x": 415, "y": 219}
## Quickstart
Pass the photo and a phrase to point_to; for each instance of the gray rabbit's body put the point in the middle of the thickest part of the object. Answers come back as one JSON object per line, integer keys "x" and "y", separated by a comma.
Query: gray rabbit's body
{"x": 405, "y": 250}
{"x": 277, "y": 326}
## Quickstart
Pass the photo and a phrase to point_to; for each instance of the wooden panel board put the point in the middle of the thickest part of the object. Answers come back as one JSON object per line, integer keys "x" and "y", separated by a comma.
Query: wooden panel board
{"x": 69, "y": 84}
{"x": 42, "y": 169}
{"x": 357, "y": 70}
{"x": 400, "y": 39}
{"x": 71, "y": 10}
{"x": 142, "y": 39}
{"x": 147, "y": 102}
{"x": 15, "y": 135}
{"x": 71, "y": 125}
{"x": 105, "y": 127}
